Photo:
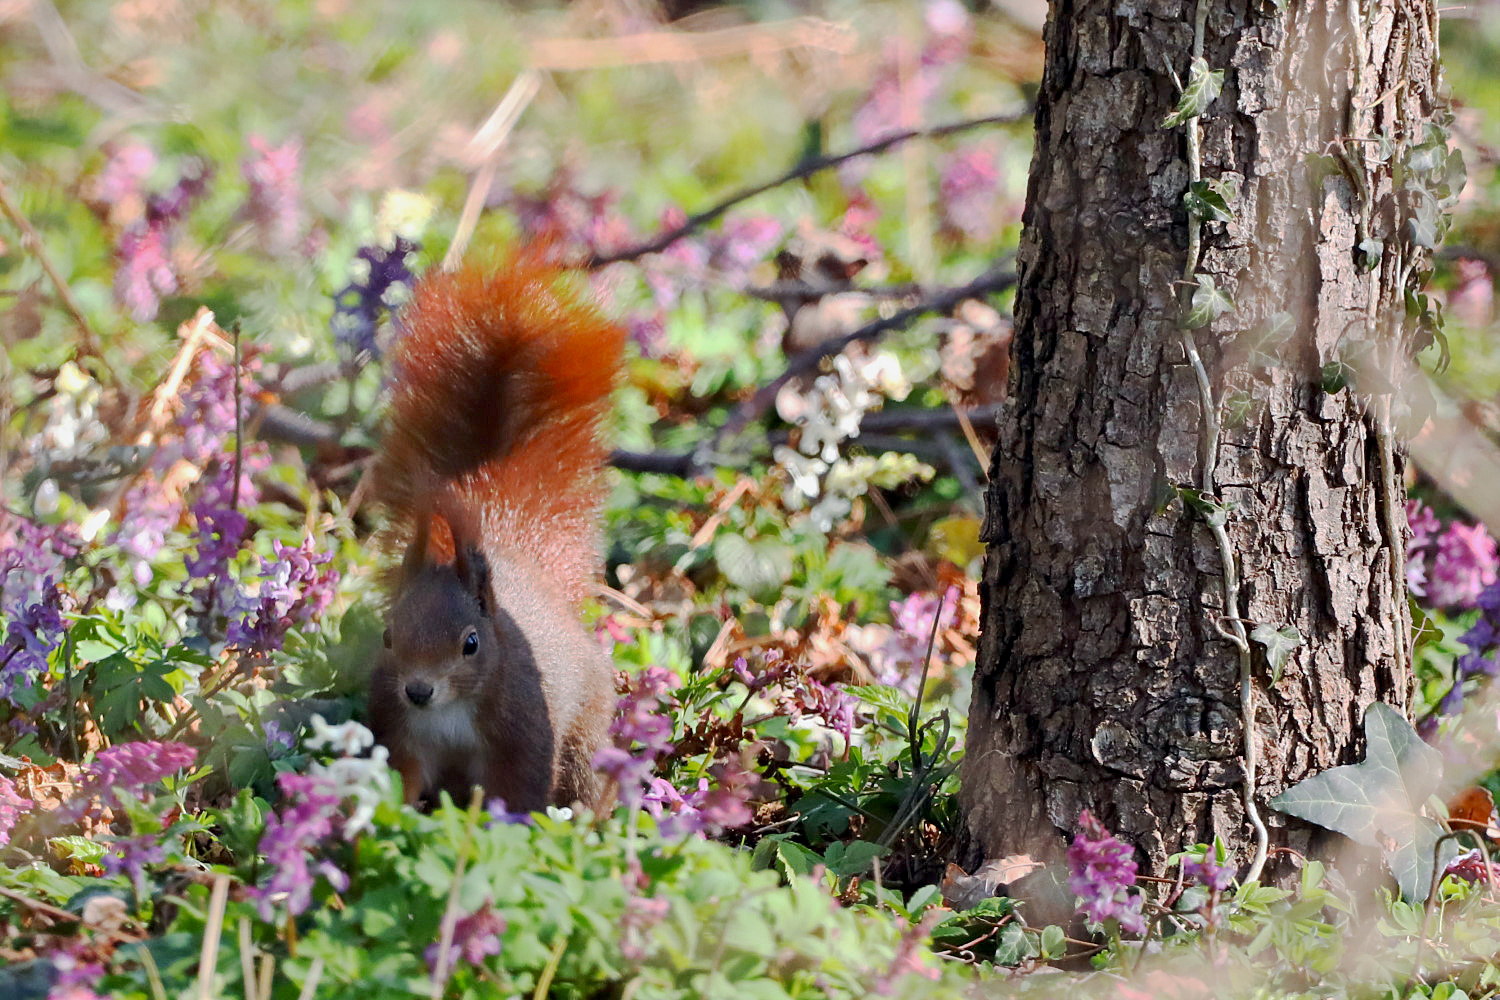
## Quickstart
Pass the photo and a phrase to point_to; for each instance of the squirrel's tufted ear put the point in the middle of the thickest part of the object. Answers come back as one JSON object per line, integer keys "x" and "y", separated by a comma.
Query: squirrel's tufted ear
{"x": 474, "y": 573}
{"x": 415, "y": 559}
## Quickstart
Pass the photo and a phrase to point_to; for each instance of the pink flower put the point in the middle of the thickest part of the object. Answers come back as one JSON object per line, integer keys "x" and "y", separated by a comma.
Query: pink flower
{"x": 1465, "y": 563}
{"x": 12, "y": 805}
{"x": 969, "y": 186}
{"x": 639, "y": 719}
{"x": 1472, "y": 301}
{"x": 145, "y": 272}
{"x": 275, "y": 204}
{"x": 475, "y": 936}
{"x": 129, "y": 767}
{"x": 124, "y": 174}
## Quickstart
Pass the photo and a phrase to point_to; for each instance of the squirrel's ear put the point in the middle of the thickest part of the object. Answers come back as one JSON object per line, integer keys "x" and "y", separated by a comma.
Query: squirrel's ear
{"x": 474, "y": 573}
{"x": 416, "y": 550}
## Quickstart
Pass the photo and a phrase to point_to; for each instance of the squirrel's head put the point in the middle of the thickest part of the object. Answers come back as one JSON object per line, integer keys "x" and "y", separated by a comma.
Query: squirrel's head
{"x": 442, "y": 640}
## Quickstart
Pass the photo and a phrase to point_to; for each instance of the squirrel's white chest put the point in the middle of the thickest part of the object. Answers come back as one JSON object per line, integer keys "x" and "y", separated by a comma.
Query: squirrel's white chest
{"x": 448, "y": 728}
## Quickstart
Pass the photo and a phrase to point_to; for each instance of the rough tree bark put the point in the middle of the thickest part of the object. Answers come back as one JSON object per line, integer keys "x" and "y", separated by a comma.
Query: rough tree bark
{"x": 1103, "y": 678}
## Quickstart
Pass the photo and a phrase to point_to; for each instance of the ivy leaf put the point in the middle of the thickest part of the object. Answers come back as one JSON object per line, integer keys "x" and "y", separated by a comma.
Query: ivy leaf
{"x": 1239, "y": 407}
{"x": 1209, "y": 201}
{"x": 1370, "y": 252}
{"x": 1202, "y": 87}
{"x": 1336, "y": 375}
{"x": 1279, "y": 643}
{"x": 1213, "y": 512}
{"x": 1379, "y": 799}
{"x": 1266, "y": 342}
{"x": 1423, "y": 225}
{"x": 1209, "y": 302}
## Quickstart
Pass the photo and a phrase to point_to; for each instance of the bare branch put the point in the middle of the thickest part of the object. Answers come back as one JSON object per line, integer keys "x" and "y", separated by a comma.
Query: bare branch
{"x": 807, "y": 168}
{"x": 32, "y": 240}
{"x": 807, "y": 361}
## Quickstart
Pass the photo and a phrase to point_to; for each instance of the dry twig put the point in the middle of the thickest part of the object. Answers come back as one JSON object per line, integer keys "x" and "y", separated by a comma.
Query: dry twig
{"x": 805, "y": 169}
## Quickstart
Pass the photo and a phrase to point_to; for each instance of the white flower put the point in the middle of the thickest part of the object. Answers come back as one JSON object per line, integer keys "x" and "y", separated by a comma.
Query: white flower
{"x": 883, "y": 372}
{"x": 803, "y": 470}
{"x": 402, "y": 213}
{"x": 349, "y": 740}
{"x": 829, "y": 510}
{"x": 560, "y": 813}
{"x": 93, "y": 524}
{"x": 365, "y": 780}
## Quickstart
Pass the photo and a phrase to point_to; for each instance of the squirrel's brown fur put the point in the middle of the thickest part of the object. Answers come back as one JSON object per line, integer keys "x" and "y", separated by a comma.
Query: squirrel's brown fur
{"x": 491, "y": 471}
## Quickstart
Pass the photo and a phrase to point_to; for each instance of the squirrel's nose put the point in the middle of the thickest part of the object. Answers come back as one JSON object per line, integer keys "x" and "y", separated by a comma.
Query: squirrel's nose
{"x": 419, "y": 692}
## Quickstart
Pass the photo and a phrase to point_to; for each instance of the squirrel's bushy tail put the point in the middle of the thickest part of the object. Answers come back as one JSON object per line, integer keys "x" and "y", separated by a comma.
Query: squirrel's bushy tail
{"x": 501, "y": 378}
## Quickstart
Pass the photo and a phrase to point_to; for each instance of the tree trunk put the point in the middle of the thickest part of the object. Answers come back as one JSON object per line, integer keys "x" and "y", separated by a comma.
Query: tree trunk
{"x": 1105, "y": 680}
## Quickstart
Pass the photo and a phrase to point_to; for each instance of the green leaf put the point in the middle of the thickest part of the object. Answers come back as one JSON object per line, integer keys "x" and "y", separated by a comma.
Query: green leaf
{"x": 783, "y": 856}
{"x": 853, "y": 858}
{"x": 1379, "y": 798}
{"x": 1209, "y": 302}
{"x": 1370, "y": 252}
{"x": 759, "y": 567}
{"x": 1209, "y": 201}
{"x": 1202, "y": 87}
{"x": 1279, "y": 643}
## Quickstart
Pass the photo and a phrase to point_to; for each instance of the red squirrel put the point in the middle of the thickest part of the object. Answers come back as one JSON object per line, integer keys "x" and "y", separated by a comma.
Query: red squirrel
{"x": 491, "y": 471}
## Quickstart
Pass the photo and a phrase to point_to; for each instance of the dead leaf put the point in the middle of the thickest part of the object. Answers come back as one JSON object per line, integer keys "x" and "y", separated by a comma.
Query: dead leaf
{"x": 1470, "y": 809}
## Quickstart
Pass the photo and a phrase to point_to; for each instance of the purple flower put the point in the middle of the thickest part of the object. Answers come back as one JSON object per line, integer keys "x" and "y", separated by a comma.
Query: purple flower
{"x": 1470, "y": 866}
{"x": 34, "y": 631}
{"x": 131, "y": 855}
{"x": 204, "y": 427}
{"x": 706, "y": 809}
{"x": 129, "y": 767}
{"x": 296, "y": 587}
{"x": 641, "y": 731}
{"x": 308, "y": 815}
{"x": 76, "y": 973}
{"x": 1101, "y": 869}
{"x": 359, "y": 305}
{"x": 12, "y": 805}
{"x": 275, "y": 204}
{"x": 1464, "y": 564}
{"x": 1482, "y": 660}
{"x": 1209, "y": 872}
{"x": 500, "y": 814}
{"x": 564, "y": 216}
{"x": 33, "y": 557}
{"x": 804, "y": 695}
{"x": 475, "y": 937}
{"x": 915, "y": 613}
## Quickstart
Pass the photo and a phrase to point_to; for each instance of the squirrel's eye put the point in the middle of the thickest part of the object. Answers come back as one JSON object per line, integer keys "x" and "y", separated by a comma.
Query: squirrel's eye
{"x": 471, "y": 643}
{"x": 386, "y": 638}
